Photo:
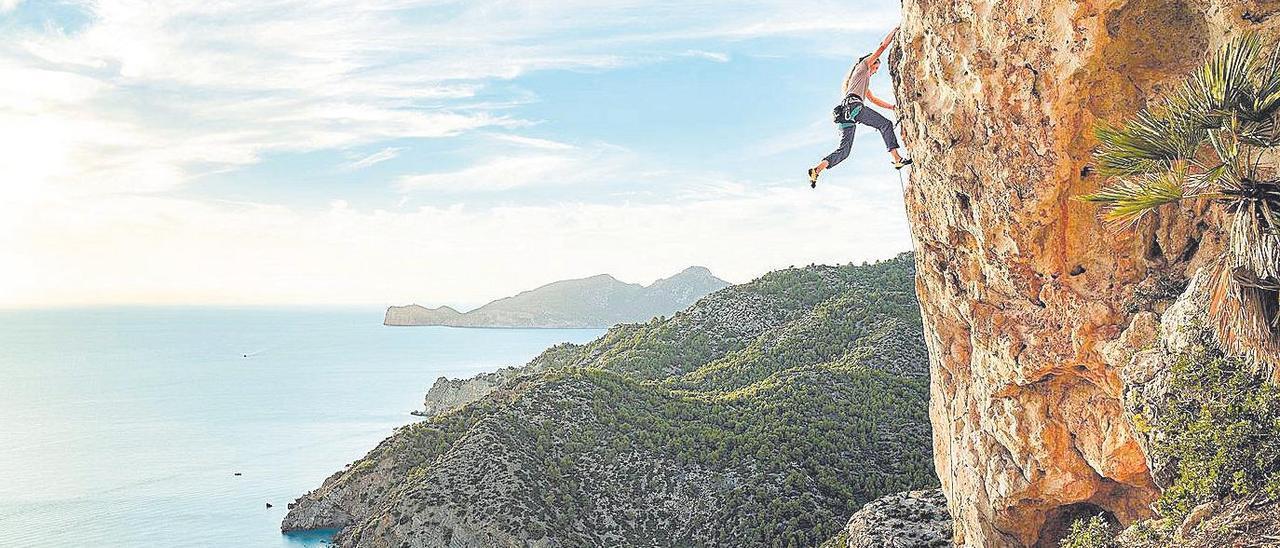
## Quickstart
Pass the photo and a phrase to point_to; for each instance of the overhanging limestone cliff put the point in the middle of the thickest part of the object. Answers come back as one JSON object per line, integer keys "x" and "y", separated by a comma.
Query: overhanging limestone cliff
{"x": 1025, "y": 294}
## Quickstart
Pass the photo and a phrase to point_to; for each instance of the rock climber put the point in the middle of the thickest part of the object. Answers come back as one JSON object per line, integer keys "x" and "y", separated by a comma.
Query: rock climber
{"x": 851, "y": 112}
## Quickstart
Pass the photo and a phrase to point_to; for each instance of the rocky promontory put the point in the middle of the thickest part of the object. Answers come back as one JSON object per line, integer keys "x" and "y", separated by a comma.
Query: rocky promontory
{"x": 915, "y": 519}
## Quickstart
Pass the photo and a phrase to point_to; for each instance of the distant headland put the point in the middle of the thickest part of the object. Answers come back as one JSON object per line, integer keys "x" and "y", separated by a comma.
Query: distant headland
{"x": 598, "y": 301}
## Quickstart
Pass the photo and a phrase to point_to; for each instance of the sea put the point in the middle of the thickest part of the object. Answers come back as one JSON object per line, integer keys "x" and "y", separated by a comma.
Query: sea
{"x": 169, "y": 427}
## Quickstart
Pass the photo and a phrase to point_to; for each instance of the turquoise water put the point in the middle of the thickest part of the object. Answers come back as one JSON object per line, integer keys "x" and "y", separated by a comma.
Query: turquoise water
{"x": 125, "y": 427}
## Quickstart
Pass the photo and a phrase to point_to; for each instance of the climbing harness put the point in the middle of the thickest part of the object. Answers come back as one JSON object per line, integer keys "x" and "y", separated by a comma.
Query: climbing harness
{"x": 847, "y": 111}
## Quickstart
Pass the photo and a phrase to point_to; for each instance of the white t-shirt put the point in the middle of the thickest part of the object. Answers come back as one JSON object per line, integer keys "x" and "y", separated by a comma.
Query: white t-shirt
{"x": 859, "y": 78}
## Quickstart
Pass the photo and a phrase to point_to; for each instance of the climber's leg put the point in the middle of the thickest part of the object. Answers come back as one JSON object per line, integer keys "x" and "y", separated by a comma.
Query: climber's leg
{"x": 841, "y": 152}
{"x": 874, "y": 119}
{"x": 870, "y": 117}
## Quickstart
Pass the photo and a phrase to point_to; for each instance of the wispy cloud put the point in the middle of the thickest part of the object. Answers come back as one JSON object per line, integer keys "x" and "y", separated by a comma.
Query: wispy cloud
{"x": 533, "y": 142}
{"x": 502, "y": 173}
{"x": 146, "y": 96}
{"x": 533, "y": 163}
{"x": 708, "y": 55}
{"x": 815, "y": 136}
{"x": 375, "y": 158}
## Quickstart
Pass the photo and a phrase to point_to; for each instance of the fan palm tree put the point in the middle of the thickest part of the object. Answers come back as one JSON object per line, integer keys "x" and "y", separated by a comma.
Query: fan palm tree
{"x": 1217, "y": 138}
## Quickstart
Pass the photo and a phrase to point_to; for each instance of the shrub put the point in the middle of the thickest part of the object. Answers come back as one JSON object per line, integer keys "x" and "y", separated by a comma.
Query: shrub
{"x": 1222, "y": 429}
{"x": 1091, "y": 532}
{"x": 1148, "y": 534}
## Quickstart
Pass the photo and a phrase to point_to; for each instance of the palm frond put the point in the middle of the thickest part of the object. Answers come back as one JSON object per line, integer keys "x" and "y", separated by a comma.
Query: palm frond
{"x": 1265, "y": 102}
{"x": 1215, "y": 137}
{"x": 1263, "y": 133}
{"x": 1209, "y": 180}
{"x": 1148, "y": 143}
{"x": 1226, "y": 79}
{"x": 1191, "y": 104}
{"x": 1225, "y": 144}
{"x": 1127, "y": 200}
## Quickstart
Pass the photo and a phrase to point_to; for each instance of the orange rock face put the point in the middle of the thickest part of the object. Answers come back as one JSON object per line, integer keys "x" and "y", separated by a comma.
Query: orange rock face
{"x": 1026, "y": 295}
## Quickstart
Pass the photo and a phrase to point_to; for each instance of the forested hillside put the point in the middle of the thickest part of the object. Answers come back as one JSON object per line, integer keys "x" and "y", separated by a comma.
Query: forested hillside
{"x": 763, "y": 415}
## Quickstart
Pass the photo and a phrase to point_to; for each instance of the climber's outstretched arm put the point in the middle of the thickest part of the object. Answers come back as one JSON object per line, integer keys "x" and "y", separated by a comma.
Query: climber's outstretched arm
{"x": 878, "y": 101}
{"x": 884, "y": 45}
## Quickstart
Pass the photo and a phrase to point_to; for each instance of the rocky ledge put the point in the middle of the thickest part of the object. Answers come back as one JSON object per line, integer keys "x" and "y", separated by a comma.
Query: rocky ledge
{"x": 449, "y": 394}
{"x": 902, "y": 520}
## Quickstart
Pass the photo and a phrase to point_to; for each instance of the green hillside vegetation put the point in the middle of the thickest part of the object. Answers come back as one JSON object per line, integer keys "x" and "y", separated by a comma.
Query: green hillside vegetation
{"x": 1223, "y": 431}
{"x": 764, "y": 415}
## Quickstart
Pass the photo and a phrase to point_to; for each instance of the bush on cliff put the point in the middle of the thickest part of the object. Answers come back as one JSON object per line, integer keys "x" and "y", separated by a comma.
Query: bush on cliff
{"x": 1223, "y": 430}
{"x": 1091, "y": 532}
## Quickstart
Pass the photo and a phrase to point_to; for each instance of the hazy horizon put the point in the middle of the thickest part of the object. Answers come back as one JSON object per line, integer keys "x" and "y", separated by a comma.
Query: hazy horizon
{"x": 378, "y": 306}
{"x": 301, "y": 153}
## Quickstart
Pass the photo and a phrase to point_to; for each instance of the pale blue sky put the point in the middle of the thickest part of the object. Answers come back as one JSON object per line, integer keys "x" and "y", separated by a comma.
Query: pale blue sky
{"x": 273, "y": 152}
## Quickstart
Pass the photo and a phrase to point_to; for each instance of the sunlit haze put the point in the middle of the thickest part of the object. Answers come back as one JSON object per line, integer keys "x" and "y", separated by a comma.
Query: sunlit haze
{"x": 386, "y": 152}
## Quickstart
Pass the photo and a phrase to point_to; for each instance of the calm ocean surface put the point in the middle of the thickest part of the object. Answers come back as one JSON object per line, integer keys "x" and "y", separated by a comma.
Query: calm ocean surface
{"x": 124, "y": 427}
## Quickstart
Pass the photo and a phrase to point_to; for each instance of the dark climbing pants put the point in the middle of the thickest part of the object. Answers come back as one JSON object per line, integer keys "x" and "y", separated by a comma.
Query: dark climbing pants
{"x": 866, "y": 117}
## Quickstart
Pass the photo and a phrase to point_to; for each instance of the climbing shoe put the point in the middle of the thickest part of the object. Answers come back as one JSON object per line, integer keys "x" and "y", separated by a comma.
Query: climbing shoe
{"x": 813, "y": 178}
{"x": 902, "y": 163}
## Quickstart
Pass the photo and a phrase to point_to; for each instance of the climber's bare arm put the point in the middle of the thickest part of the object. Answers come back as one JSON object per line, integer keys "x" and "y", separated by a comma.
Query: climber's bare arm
{"x": 878, "y": 101}
{"x": 884, "y": 45}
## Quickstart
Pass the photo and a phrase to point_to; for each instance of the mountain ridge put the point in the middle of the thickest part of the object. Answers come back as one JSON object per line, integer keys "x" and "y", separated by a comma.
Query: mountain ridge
{"x": 597, "y": 301}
